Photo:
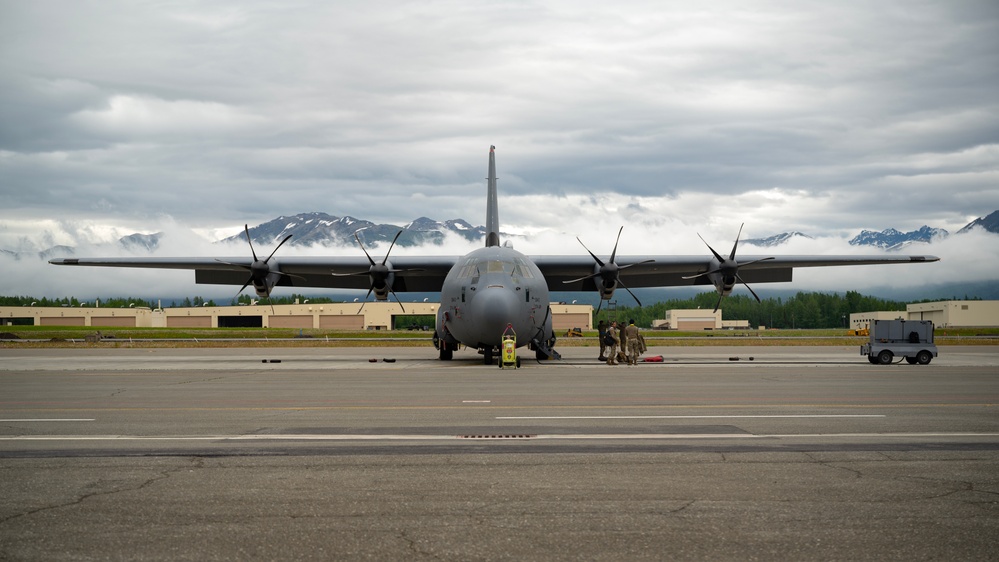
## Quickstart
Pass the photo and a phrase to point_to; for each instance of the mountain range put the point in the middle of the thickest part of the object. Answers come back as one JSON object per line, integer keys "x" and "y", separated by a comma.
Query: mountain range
{"x": 311, "y": 229}
{"x": 325, "y": 230}
{"x": 889, "y": 238}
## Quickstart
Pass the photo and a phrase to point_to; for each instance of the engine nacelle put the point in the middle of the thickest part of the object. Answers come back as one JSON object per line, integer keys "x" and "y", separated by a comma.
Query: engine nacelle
{"x": 381, "y": 278}
{"x": 607, "y": 290}
{"x": 724, "y": 282}
{"x": 264, "y": 285}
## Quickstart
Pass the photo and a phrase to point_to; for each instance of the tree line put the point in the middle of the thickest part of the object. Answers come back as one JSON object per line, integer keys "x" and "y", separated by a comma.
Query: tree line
{"x": 136, "y": 302}
{"x": 803, "y": 310}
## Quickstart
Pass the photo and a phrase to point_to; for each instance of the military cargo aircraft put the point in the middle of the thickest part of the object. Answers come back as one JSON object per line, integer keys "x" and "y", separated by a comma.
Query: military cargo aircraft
{"x": 495, "y": 288}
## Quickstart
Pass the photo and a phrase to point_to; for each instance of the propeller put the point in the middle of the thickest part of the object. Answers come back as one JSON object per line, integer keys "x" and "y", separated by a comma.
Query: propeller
{"x": 379, "y": 273}
{"x": 726, "y": 273}
{"x": 260, "y": 269}
{"x": 609, "y": 273}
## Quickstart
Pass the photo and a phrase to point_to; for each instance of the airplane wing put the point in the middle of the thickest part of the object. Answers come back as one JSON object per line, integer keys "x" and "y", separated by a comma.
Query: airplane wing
{"x": 419, "y": 274}
{"x": 427, "y": 273}
{"x": 670, "y": 270}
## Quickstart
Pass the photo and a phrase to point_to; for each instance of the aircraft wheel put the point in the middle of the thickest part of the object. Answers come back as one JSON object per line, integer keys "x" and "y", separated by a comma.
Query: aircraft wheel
{"x": 924, "y": 357}
{"x": 487, "y": 356}
{"x": 872, "y": 360}
{"x": 885, "y": 357}
{"x": 446, "y": 352}
{"x": 518, "y": 361}
{"x": 910, "y": 360}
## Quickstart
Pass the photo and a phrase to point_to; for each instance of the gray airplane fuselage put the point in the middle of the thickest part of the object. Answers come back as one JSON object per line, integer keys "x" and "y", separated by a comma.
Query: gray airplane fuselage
{"x": 489, "y": 290}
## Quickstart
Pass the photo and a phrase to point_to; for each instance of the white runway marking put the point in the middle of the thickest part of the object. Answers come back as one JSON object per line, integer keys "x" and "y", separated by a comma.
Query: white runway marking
{"x": 688, "y": 417}
{"x": 49, "y": 420}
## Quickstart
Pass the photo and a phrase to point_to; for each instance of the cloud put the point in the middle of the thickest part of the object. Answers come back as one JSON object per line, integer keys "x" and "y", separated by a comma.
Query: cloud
{"x": 143, "y": 116}
{"x": 668, "y": 117}
{"x": 965, "y": 258}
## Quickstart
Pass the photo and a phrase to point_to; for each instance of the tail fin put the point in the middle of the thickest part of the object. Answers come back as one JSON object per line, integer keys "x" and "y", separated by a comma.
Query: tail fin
{"x": 492, "y": 207}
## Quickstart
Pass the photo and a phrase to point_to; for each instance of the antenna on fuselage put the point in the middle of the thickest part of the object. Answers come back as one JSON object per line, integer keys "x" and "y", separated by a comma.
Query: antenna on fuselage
{"x": 492, "y": 205}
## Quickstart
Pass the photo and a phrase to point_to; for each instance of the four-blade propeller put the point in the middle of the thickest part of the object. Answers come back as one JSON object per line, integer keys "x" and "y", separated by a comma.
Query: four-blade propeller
{"x": 609, "y": 273}
{"x": 726, "y": 273}
{"x": 259, "y": 269}
{"x": 379, "y": 273}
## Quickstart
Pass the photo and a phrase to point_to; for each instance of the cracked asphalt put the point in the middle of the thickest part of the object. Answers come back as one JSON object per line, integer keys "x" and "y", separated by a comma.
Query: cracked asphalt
{"x": 797, "y": 455}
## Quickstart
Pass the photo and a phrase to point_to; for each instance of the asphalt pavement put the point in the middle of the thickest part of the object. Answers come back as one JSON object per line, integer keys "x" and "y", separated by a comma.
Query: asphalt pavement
{"x": 734, "y": 453}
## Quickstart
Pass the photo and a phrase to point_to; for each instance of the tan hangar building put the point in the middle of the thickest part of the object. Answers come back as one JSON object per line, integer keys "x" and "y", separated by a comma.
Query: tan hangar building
{"x": 943, "y": 314}
{"x": 327, "y": 316}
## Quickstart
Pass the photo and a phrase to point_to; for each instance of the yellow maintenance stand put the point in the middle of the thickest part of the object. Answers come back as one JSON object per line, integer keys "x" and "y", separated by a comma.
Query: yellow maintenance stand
{"x": 508, "y": 349}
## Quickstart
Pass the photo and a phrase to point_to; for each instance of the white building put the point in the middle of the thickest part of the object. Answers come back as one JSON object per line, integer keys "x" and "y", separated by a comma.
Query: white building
{"x": 697, "y": 319}
{"x": 943, "y": 314}
{"x": 953, "y": 314}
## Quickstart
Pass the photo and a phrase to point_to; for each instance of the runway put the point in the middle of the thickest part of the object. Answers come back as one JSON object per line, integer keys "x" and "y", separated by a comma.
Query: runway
{"x": 320, "y": 453}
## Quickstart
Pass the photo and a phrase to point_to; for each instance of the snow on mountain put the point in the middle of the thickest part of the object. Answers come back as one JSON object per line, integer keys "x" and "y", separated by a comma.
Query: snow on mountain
{"x": 147, "y": 242}
{"x": 328, "y": 230}
{"x": 322, "y": 229}
{"x": 891, "y": 239}
{"x": 990, "y": 223}
{"x": 775, "y": 240}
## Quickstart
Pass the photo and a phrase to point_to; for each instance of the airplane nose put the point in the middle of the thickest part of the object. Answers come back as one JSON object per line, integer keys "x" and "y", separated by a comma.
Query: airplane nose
{"x": 494, "y": 308}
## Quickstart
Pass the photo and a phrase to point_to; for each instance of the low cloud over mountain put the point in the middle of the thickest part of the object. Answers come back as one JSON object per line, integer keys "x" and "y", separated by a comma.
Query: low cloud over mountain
{"x": 967, "y": 257}
{"x": 318, "y": 229}
{"x": 888, "y": 239}
{"x": 310, "y": 229}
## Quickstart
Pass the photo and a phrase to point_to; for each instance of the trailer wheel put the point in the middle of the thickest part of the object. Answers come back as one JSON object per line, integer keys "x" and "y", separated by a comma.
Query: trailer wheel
{"x": 885, "y": 357}
{"x": 924, "y": 357}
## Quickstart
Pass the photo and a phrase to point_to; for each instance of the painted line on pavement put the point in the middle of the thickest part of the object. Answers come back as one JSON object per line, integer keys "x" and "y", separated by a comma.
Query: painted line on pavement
{"x": 689, "y": 417}
{"x": 48, "y": 420}
{"x": 498, "y": 437}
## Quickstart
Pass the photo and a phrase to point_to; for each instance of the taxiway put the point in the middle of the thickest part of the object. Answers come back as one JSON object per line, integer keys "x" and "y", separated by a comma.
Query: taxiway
{"x": 720, "y": 453}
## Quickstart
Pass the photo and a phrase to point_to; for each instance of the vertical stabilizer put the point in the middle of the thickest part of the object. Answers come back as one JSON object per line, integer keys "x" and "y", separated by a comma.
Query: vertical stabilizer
{"x": 492, "y": 206}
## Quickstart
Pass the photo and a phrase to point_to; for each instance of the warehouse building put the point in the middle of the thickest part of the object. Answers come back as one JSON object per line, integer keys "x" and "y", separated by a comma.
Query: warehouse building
{"x": 697, "y": 319}
{"x": 943, "y": 314}
{"x": 329, "y": 316}
{"x": 954, "y": 314}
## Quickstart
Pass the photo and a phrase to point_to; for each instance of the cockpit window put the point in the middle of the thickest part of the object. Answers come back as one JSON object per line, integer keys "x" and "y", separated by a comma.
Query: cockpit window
{"x": 497, "y": 266}
{"x": 523, "y": 269}
{"x": 517, "y": 268}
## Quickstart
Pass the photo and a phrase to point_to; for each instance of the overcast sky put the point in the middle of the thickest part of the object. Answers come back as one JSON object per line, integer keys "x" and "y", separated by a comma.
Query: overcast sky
{"x": 672, "y": 118}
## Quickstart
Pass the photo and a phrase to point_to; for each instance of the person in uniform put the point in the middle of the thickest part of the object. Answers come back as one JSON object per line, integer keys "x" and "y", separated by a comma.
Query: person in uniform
{"x": 631, "y": 342}
{"x": 612, "y": 348}
{"x": 601, "y": 332}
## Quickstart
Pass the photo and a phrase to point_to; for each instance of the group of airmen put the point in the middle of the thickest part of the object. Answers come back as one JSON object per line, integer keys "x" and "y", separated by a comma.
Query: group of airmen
{"x": 613, "y": 337}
